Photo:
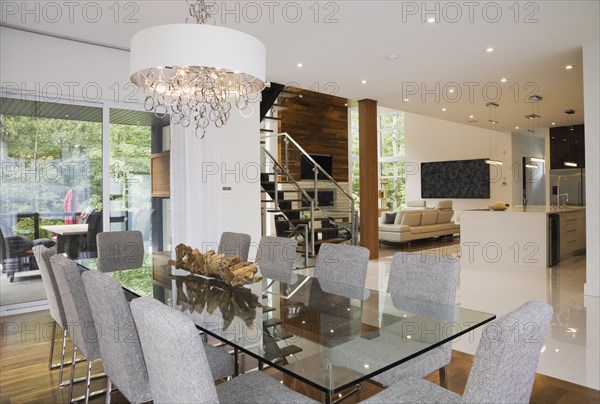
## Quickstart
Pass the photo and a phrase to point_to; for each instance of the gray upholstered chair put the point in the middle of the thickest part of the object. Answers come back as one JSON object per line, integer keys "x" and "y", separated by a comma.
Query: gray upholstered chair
{"x": 82, "y": 330}
{"x": 504, "y": 367}
{"x": 57, "y": 311}
{"x": 275, "y": 257}
{"x": 433, "y": 279}
{"x": 122, "y": 357}
{"x": 342, "y": 263}
{"x": 235, "y": 244}
{"x": 178, "y": 367}
{"x": 120, "y": 250}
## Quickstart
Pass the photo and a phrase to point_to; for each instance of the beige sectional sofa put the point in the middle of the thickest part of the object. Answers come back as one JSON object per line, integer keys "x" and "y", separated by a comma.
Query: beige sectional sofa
{"x": 415, "y": 224}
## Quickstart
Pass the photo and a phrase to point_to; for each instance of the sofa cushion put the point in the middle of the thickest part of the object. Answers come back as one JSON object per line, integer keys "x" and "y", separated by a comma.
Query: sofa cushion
{"x": 398, "y": 219}
{"x": 394, "y": 228}
{"x": 411, "y": 219}
{"x": 444, "y": 216}
{"x": 447, "y": 204}
{"x": 429, "y": 217}
{"x": 419, "y": 203}
{"x": 389, "y": 217}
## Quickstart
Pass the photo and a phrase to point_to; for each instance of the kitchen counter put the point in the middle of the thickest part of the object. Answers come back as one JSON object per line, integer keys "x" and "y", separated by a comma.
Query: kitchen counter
{"x": 522, "y": 235}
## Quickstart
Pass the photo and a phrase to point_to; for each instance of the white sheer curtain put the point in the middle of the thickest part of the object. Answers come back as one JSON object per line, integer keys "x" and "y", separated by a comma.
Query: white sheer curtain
{"x": 196, "y": 194}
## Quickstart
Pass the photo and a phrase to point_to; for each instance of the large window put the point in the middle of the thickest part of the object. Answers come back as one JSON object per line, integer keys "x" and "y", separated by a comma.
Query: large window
{"x": 391, "y": 154}
{"x": 51, "y": 159}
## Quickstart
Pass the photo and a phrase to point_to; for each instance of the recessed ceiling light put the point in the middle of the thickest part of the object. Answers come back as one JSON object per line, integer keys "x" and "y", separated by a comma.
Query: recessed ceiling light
{"x": 553, "y": 123}
{"x": 516, "y": 127}
{"x": 301, "y": 96}
{"x": 391, "y": 57}
{"x": 406, "y": 100}
{"x": 66, "y": 115}
{"x": 503, "y": 80}
{"x": 569, "y": 67}
{"x": 364, "y": 82}
{"x": 451, "y": 90}
{"x": 431, "y": 20}
{"x": 300, "y": 65}
{"x": 489, "y": 50}
{"x": 444, "y": 109}
{"x": 471, "y": 116}
{"x": 346, "y": 104}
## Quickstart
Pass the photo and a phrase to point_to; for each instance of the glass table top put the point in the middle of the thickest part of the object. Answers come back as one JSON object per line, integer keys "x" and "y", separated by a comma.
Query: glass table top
{"x": 329, "y": 335}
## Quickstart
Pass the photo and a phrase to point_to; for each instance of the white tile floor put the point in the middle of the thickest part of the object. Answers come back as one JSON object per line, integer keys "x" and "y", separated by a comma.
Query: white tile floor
{"x": 572, "y": 347}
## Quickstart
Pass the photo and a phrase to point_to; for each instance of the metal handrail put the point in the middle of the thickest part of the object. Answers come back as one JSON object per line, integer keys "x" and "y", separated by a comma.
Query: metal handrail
{"x": 298, "y": 189}
{"x": 320, "y": 169}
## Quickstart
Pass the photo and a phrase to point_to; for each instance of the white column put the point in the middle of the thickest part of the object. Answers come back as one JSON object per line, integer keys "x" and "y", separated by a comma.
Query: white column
{"x": 591, "y": 101}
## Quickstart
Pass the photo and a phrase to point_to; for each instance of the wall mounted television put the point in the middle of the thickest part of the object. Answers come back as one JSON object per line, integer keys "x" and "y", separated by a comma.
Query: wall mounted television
{"x": 462, "y": 179}
{"x": 306, "y": 166}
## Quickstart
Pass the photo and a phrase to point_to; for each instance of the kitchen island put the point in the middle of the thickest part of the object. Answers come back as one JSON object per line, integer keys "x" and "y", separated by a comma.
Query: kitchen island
{"x": 538, "y": 236}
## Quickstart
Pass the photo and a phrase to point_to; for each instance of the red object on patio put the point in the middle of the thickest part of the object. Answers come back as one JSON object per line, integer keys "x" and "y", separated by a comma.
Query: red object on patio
{"x": 70, "y": 203}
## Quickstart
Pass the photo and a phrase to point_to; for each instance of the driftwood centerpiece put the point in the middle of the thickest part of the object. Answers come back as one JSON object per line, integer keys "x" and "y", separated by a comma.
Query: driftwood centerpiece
{"x": 229, "y": 270}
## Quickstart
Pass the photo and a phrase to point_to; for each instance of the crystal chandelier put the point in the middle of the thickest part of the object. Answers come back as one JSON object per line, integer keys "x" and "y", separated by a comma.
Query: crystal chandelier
{"x": 196, "y": 71}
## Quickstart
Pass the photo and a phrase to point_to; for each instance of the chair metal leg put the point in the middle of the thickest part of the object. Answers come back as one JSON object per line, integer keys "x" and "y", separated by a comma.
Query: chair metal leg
{"x": 52, "y": 344}
{"x": 87, "y": 382}
{"x": 108, "y": 390}
{"x": 62, "y": 358}
{"x": 443, "y": 377}
{"x": 73, "y": 362}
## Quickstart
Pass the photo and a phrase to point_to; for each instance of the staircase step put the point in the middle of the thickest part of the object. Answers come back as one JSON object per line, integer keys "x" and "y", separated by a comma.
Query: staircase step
{"x": 290, "y": 350}
{"x": 272, "y": 322}
{"x": 335, "y": 240}
{"x": 288, "y": 210}
{"x": 325, "y": 229}
{"x": 282, "y": 200}
{"x": 267, "y": 130}
{"x": 267, "y": 309}
{"x": 283, "y": 335}
{"x": 279, "y": 182}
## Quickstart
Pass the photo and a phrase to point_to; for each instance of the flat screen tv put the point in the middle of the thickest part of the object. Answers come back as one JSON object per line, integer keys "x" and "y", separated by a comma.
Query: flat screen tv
{"x": 463, "y": 179}
{"x": 306, "y": 166}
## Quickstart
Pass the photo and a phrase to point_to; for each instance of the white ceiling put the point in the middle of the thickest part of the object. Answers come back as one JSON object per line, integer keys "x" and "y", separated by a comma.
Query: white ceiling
{"x": 531, "y": 52}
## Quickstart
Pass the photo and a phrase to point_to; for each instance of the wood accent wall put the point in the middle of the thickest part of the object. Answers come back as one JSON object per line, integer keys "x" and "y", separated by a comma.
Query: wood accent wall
{"x": 319, "y": 123}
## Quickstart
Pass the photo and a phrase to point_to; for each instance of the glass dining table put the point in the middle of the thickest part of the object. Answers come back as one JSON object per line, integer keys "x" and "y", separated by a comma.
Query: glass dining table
{"x": 325, "y": 337}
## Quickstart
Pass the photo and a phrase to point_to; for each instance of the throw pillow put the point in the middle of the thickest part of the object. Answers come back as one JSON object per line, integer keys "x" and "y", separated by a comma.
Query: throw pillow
{"x": 389, "y": 218}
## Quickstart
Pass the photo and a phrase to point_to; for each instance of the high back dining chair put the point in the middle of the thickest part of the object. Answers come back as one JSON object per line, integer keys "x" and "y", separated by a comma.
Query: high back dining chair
{"x": 275, "y": 256}
{"x": 82, "y": 330}
{"x": 57, "y": 311}
{"x": 178, "y": 368}
{"x": 343, "y": 264}
{"x": 119, "y": 250}
{"x": 503, "y": 370}
{"x": 433, "y": 279}
{"x": 122, "y": 357}
{"x": 235, "y": 244}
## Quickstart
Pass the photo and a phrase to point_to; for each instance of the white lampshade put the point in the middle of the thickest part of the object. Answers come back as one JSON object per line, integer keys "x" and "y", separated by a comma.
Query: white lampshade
{"x": 198, "y": 45}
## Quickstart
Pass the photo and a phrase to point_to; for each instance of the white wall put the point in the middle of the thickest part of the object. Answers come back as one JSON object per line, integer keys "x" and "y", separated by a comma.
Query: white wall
{"x": 201, "y": 208}
{"x": 591, "y": 100}
{"x": 429, "y": 139}
{"x": 525, "y": 145}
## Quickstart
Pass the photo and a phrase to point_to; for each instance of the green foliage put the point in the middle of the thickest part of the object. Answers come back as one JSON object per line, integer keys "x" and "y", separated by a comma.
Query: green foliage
{"x": 25, "y": 227}
{"x": 47, "y": 157}
{"x": 138, "y": 281}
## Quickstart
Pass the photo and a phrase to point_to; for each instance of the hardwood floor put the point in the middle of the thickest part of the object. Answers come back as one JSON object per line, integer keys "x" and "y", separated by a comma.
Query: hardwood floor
{"x": 24, "y": 375}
